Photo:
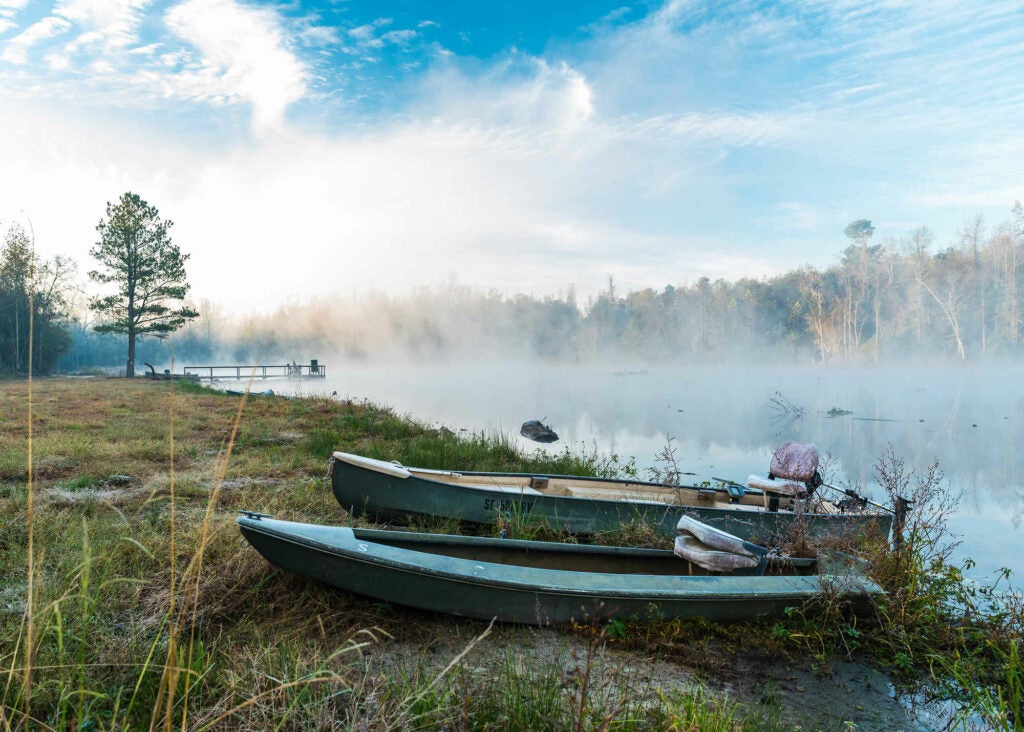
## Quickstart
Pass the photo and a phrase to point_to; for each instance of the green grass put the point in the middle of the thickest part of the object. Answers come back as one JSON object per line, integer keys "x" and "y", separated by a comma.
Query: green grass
{"x": 148, "y": 610}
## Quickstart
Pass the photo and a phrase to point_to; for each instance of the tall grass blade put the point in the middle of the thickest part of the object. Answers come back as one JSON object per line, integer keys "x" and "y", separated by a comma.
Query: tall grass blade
{"x": 30, "y": 598}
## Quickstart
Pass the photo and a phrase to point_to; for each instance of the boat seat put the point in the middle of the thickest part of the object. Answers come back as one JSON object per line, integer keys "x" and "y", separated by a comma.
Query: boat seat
{"x": 632, "y": 496}
{"x": 516, "y": 489}
{"x": 772, "y": 488}
{"x": 781, "y": 487}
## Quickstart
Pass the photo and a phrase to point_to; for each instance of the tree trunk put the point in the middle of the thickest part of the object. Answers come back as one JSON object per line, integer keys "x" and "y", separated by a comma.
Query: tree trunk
{"x": 130, "y": 369}
{"x": 878, "y": 313}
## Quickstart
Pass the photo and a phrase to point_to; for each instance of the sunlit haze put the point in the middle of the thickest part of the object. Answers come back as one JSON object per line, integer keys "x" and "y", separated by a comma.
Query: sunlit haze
{"x": 320, "y": 149}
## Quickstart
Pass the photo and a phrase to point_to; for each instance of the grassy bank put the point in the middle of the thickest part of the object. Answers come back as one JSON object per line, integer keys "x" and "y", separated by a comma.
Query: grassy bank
{"x": 143, "y": 608}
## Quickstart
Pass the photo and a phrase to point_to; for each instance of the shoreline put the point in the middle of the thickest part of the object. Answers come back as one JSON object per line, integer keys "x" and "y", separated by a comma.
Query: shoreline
{"x": 106, "y": 499}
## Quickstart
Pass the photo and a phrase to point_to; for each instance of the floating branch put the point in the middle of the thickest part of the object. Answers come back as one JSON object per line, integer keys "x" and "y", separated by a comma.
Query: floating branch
{"x": 786, "y": 413}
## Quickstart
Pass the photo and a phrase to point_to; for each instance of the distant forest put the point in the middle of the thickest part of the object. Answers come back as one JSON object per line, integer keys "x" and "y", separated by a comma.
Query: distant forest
{"x": 880, "y": 302}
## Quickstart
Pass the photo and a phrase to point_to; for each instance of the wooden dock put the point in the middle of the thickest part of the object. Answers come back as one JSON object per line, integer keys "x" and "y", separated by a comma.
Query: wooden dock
{"x": 298, "y": 371}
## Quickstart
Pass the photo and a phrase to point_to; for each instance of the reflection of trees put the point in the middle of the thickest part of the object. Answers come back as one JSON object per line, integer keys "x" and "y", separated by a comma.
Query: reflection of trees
{"x": 731, "y": 408}
{"x": 726, "y": 413}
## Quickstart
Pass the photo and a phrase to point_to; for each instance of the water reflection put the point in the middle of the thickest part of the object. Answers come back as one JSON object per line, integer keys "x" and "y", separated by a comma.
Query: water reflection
{"x": 725, "y": 424}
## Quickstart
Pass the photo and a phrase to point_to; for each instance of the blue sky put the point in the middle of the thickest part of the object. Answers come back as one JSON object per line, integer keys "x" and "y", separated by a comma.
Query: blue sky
{"x": 325, "y": 149}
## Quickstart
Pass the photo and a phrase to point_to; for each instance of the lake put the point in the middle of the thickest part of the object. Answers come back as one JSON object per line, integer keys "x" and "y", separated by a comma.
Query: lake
{"x": 727, "y": 422}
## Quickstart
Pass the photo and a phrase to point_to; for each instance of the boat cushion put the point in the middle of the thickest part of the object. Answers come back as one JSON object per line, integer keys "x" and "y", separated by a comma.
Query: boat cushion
{"x": 715, "y": 560}
{"x": 715, "y": 538}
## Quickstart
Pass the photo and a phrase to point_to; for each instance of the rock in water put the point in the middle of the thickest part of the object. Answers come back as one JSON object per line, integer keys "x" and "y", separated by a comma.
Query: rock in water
{"x": 537, "y": 431}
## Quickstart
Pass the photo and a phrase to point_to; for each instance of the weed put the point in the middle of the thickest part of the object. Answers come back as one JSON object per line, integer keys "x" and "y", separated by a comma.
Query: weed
{"x": 83, "y": 482}
{"x": 699, "y": 710}
{"x": 666, "y": 468}
{"x": 636, "y": 533}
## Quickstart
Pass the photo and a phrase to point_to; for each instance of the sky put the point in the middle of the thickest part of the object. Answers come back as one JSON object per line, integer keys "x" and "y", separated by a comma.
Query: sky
{"x": 330, "y": 149}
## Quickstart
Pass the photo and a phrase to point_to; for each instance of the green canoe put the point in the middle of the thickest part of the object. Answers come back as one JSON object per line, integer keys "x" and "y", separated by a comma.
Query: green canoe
{"x": 585, "y": 505}
{"x": 537, "y": 583}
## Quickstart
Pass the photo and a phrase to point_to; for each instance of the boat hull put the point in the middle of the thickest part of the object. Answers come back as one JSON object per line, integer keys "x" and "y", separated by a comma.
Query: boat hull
{"x": 431, "y": 578}
{"x": 363, "y": 490}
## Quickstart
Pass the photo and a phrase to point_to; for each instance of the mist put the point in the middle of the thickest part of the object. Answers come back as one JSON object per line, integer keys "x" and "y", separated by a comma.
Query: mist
{"x": 723, "y": 421}
{"x": 900, "y": 344}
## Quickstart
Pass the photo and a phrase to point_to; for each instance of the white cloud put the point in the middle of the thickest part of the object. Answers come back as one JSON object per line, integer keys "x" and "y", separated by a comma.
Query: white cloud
{"x": 373, "y": 37}
{"x": 243, "y": 57}
{"x": 524, "y": 93}
{"x": 57, "y": 61}
{"x": 727, "y": 128}
{"x": 496, "y": 205}
{"x": 111, "y": 25}
{"x": 15, "y": 51}
{"x": 10, "y": 9}
{"x": 678, "y": 146}
{"x": 401, "y": 37}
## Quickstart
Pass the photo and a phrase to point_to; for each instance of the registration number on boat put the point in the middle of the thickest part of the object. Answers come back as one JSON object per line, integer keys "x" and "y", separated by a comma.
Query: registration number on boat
{"x": 507, "y": 504}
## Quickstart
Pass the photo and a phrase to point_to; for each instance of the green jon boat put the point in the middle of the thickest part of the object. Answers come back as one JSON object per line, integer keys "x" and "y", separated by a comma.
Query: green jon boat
{"x": 586, "y": 505}
{"x": 540, "y": 583}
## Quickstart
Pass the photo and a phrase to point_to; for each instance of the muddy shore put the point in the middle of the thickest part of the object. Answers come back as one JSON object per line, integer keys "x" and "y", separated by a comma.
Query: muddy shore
{"x": 836, "y": 695}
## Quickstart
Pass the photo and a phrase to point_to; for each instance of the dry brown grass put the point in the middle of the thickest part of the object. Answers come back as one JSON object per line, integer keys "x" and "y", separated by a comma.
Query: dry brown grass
{"x": 135, "y": 551}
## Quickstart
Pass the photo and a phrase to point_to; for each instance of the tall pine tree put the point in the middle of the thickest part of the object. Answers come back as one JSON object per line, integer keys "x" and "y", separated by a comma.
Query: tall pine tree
{"x": 138, "y": 256}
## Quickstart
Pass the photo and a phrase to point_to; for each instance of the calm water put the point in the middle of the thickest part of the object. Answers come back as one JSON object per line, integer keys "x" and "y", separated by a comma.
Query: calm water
{"x": 726, "y": 423}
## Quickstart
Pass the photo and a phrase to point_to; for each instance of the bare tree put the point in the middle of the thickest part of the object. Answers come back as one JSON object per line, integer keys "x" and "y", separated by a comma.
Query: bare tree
{"x": 1004, "y": 250}
{"x": 971, "y": 235}
{"x": 947, "y": 279}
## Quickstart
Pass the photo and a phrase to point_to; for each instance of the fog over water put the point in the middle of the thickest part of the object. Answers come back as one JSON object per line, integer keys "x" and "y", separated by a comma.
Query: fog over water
{"x": 726, "y": 422}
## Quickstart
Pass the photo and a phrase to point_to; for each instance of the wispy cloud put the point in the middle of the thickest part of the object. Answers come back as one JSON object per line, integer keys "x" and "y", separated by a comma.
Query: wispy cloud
{"x": 15, "y": 51}
{"x": 214, "y": 51}
{"x": 242, "y": 56}
{"x": 718, "y": 139}
{"x": 8, "y": 12}
{"x": 524, "y": 94}
{"x": 96, "y": 26}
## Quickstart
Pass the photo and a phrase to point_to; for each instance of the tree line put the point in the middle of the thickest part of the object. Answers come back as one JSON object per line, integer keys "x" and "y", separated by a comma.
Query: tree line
{"x": 142, "y": 270}
{"x": 33, "y": 305}
{"x": 879, "y": 302}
